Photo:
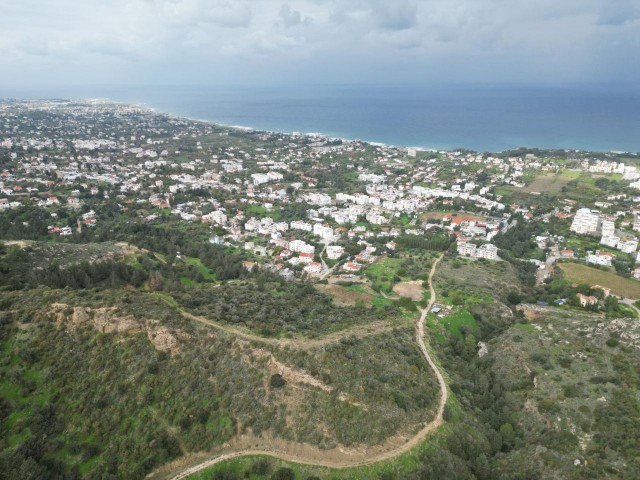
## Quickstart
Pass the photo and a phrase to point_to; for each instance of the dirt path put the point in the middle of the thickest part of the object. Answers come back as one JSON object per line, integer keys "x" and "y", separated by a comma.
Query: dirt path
{"x": 631, "y": 303}
{"x": 349, "y": 457}
{"x": 359, "y": 331}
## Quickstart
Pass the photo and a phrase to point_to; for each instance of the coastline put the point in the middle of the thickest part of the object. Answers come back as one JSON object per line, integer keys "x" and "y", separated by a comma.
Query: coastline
{"x": 376, "y": 142}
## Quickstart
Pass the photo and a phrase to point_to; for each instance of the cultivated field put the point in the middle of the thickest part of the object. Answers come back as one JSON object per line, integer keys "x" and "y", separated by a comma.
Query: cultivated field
{"x": 578, "y": 273}
{"x": 550, "y": 183}
{"x": 347, "y": 297}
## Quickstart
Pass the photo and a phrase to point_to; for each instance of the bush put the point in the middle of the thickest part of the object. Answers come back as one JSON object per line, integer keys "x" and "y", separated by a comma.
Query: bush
{"x": 283, "y": 474}
{"x": 277, "y": 381}
{"x": 612, "y": 342}
{"x": 261, "y": 466}
{"x": 225, "y": 475}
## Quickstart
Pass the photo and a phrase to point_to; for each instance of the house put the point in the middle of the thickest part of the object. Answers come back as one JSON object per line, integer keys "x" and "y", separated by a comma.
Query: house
{"x": 334, "y": 252}
{"x": 313, "y": 267}
{"x": 323, "y": 231}
{"x": 301, "y": 246}
{"x": 306, "y": 257}
{"x": 605, "y": 290}
{"x": 351, "y": 267}
{"x": 600, "y": 258}
{"x": 467, "y": 249}
{"x": 586, "y": 300}
{"x": 248, "y": 265}
{"x": 567, "y": 253}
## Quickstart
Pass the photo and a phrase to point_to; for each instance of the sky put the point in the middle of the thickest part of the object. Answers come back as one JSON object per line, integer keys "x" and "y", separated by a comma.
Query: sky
{"x": 229, "y": 42}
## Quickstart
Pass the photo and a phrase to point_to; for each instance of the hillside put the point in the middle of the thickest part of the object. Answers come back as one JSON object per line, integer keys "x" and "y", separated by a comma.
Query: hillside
{"x": 93, "y": 375}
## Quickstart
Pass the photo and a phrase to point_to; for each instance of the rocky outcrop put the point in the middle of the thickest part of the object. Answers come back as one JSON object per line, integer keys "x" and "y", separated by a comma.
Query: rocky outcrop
{"x": 162, "y": 338}
{"x": 107, "y": 320}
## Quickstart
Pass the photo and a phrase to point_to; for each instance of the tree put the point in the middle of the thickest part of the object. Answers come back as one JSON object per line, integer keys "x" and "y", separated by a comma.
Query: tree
{"x": 277, "y": 381}
{"x": 283, "y": 473}
{"x": 508, "y": 435}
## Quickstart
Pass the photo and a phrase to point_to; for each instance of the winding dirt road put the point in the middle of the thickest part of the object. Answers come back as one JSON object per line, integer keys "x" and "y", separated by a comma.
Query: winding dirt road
{"x": 359, "y": 331}
{"x": 354, "y": 457}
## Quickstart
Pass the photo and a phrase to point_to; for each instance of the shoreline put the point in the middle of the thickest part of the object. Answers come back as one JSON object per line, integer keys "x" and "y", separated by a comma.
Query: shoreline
{"x": 342, "y": 138}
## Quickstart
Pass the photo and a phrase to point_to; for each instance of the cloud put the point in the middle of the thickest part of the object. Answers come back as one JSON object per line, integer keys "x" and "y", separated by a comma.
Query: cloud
{"x": 533, "y": 40}
{"x": 397, "y": 15}
{"x": 619, "y": 12}
{"x": 292, "y": 18}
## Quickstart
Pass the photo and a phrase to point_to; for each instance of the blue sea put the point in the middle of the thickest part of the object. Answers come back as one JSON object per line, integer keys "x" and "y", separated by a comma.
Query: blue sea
{"x": 483, "y": 118}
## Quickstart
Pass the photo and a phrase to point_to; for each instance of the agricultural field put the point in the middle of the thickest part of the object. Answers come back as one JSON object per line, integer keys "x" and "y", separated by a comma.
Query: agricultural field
{"x": 348, "y": 296}
{"x": 469, "y": 281}
{"x": 578, "y": 273}
{"x": 411, "y": 289}
{"x": 551, "y": 183}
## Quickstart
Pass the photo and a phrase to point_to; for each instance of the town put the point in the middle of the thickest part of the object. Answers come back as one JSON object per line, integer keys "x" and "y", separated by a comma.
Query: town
{"x": 305, "y": 205}
{"x": 223, "y": 289}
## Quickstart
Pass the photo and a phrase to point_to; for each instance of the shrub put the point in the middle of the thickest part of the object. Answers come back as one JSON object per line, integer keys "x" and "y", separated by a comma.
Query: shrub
{"x": 283, "y": 473}
{"x": 277, "y": 381}
{"x": 261, "y": 466}
{"x": 612, "y": 342}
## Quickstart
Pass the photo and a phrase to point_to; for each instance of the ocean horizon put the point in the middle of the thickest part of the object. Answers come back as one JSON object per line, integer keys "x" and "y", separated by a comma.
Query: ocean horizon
{"x": 481, "y": 118}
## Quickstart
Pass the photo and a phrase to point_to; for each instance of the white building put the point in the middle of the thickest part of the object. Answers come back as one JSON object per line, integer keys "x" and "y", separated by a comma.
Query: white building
{"x": 313, "y": 267}
{"x": 375, "y": 217}
{"x": 323, "y": 231}
{"x": 334, "y": 252}
{"x": 467, "y": 249}
{"x": 488, "y": 251}
{"x": 319, "y": 199}
{"x": 586, "y": 222}
{"x": 600, "y": 258}
{"x": 217, "y": 217}
{"x": 628, "y": 246}
{"x": 301, "y": 225}
{"x": 608, "y": 228}
{"x": 301, "y": 247}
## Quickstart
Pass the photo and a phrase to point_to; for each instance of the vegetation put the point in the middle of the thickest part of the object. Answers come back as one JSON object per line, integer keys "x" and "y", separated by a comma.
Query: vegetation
{"x": 582, "y": 274}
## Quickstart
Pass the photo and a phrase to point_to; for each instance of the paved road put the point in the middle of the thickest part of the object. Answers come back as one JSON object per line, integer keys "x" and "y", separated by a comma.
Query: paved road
{"x": 359, "y": 457}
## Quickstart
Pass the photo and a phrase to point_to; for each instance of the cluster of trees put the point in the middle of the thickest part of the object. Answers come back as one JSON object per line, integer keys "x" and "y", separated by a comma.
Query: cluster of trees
{"x": 271, "y": 307}
{"x": 437, "y": 242}
{"x": 28, "y": 223}
{"x": 18, "y": 271}
{"x": 88, "y": 275}
{"x": 169, "y": 241}
{"x": 518, "y": 239}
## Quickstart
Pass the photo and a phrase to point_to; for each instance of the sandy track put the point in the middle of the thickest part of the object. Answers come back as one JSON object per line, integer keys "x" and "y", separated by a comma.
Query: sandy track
{"x": 359, "y": 331}
{"x": 351, "y": 457}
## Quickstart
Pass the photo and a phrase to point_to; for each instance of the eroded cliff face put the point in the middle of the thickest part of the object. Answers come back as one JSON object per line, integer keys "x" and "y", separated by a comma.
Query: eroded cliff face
{"x": 108, "y": 320}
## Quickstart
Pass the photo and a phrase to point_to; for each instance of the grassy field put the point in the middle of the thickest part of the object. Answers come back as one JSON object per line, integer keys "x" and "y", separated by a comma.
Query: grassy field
{"x": 382, "y": 272}
{"x": 347, "y": 296}
{"x": 453, "y": 323}
{"x": 206, "y": 273}
{"x": 578, "y": 273}
{"x": 550, "y": 182}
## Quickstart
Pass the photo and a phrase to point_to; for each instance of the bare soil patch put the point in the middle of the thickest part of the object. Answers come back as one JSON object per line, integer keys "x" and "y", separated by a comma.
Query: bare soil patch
{"x": 344, "y": 297}
{"x": 412, "y": 290}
